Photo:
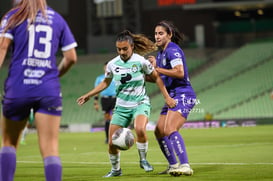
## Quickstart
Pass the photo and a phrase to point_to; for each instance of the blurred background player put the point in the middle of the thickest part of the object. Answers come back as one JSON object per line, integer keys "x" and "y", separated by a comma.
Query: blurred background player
{"x": 170, "y": 63}
{"x": 128, "y": 70}
{"x": 107, "y": 100}
{"x": 26, "y": 129}
{"x": 34, "y": 32}
{"x": 208, "y": 119}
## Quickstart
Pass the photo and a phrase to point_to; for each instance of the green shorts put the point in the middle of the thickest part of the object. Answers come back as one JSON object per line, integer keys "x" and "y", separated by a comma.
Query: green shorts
{"x": 31, "y": 117}
{"x": 123, "y": 116}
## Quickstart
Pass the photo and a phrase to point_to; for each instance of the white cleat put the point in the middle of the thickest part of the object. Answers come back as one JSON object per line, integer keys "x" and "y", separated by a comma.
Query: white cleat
{"x": 183, "y": 169}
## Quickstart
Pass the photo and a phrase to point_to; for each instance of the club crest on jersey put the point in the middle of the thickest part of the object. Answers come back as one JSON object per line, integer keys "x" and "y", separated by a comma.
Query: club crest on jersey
{"x": 164, "y": 61}
{"x": 177, "y": 54}
{"x": 134, "y": 68}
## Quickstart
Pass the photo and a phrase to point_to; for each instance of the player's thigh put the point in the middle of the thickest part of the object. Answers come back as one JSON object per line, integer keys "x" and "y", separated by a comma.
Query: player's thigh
{"x": 140, "y": 123}
{"x": 48, "y": 133}
{"x": 15, "y": 113}
{"x": 141, "y": 115}
{"x": 11, "y": 131}
{"x": 174, "y": 121}
{"x": 160, "y": 126}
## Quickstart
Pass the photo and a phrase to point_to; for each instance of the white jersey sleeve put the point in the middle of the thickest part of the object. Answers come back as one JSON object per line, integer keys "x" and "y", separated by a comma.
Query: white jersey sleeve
{"x": 147, "y": 67}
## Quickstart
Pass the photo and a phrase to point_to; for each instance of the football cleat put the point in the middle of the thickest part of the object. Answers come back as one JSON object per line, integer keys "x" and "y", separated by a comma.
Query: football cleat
{"x": 165, "y": 171}
{"x": 183, "y": 169}
{"x": 146, "y": 165}
{"x": 113, "y": 173}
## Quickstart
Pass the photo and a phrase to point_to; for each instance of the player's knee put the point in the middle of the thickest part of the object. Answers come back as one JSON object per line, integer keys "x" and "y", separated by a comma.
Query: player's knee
{"x": 140, "y": 132}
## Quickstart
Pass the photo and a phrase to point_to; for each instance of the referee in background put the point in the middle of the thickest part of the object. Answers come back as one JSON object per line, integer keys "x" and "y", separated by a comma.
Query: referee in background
{"x": 107, "y": 101}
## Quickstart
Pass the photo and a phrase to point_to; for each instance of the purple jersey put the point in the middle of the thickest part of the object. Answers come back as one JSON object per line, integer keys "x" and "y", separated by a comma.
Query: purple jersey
{"x": 169, "y": 58}
{"x": 33, "y": 70}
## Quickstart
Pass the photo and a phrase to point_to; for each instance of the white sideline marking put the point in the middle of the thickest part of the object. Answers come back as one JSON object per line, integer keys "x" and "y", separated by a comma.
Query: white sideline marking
{"x": 231, "y": 145}
{"x": 154, "y": 163}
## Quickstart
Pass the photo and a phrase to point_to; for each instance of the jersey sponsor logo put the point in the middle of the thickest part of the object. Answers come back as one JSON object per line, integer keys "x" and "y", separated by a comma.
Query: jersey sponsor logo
{"x": 189, "y": 100}
{"x": 32, "y": 81}
{"x": 59, "y": 108}
{"x": 123, "y": 70}
{"x": 117, "y": 69}
{"x": 34, "y": 73}
{"x": 125, "y": 78}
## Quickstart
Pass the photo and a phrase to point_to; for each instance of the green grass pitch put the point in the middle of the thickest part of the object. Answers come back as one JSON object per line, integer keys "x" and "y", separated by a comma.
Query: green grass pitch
{"x": 222, "y": 154}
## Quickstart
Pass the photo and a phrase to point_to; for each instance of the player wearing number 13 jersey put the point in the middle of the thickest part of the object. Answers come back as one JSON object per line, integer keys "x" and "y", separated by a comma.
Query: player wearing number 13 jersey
{"x": 34, "y": 53}
{"x": 34, "y": 32}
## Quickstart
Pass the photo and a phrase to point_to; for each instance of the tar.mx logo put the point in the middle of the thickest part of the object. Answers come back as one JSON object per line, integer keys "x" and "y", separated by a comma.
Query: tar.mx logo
{"x": 189, "y": 100}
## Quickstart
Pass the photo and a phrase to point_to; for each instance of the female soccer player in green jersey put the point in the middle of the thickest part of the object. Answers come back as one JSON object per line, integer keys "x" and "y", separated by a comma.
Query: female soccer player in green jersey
{"x": 128, "y": 70}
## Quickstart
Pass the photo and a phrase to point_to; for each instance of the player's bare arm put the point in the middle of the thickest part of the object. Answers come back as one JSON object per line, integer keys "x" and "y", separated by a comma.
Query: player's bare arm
{"x": 169, "y": 101}
{"x": 176, "y": 72}
{"x": 103, "y": 85}
{"x": 4, "y": 45}
{"x": 69, "y": 59}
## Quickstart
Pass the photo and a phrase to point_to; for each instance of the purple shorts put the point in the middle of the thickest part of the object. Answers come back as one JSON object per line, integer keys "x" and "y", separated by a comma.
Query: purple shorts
{"x": 19, "y": 108}
{"x": 184, "y": 105}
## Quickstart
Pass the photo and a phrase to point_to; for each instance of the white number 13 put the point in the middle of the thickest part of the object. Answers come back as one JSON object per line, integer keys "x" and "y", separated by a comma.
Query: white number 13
{"x": 43, "y": 40}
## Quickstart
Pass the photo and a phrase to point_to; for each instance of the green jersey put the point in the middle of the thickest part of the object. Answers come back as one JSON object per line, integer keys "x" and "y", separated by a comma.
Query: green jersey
{"x": 129, "y": 79}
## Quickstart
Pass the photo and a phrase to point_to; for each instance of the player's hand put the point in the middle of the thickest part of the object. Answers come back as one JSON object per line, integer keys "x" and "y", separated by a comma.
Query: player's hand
{"x": 152, "y": 60}
{"x": 96, "y": 106}
{"x": 83, "y": 99}
{"x": 171, "y": 102}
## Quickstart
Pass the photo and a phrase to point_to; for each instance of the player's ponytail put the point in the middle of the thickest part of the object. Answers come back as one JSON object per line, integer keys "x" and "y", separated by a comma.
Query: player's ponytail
{"x": 142, "y": 44}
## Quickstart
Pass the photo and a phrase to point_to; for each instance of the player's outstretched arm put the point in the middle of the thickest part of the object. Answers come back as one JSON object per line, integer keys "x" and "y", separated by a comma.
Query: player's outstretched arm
{"x": 103, "y": 85}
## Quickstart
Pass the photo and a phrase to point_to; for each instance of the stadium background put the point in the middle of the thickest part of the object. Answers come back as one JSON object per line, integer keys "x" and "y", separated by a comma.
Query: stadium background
{"x": 228, "y": 45}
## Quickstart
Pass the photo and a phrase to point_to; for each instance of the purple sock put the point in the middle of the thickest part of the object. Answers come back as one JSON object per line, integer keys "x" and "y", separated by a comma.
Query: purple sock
{"x": 7, "y": 163}
{"x": 53, "y": 168}
{"x": 179, "y": 147}
{"x": 167, "y": 149}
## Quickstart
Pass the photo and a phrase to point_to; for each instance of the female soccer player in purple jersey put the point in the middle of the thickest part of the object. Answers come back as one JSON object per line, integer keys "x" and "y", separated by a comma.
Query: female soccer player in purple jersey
{"x": 34, "y": 32}
{"x": 170, "y": 63}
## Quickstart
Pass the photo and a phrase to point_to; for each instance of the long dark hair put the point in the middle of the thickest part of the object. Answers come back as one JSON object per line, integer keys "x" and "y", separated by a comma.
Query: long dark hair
{"x": 177, "y": 36}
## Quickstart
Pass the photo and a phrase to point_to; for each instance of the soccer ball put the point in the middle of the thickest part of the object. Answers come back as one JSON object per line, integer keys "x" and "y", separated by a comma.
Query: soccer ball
{"x": 123, "y": 138}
